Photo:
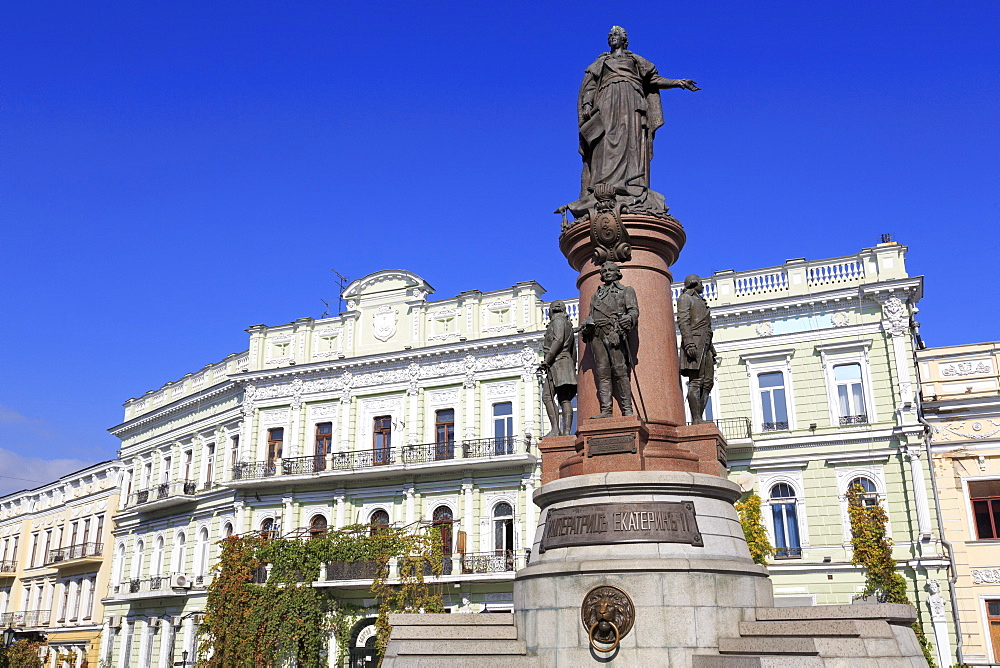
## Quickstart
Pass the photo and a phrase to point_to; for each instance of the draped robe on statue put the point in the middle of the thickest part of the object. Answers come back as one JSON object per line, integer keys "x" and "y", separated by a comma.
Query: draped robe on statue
{"x": 616, "y": 141}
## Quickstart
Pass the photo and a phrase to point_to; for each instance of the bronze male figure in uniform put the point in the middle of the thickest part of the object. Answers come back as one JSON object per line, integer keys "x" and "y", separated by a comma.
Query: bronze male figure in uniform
{"x": 697, "y": 355}
{"x": 559, "y": 364}
{"x": 614, "y": 313}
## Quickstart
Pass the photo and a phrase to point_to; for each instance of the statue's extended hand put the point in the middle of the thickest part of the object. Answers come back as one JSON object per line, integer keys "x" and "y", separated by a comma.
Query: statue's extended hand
{"x": 691, "y": 351}
{"x": 689, "y": 84}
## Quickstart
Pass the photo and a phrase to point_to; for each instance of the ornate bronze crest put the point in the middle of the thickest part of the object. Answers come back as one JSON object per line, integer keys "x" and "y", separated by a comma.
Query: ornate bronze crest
{"x": 608, "y": 615}
{"x": 607, "y": 234}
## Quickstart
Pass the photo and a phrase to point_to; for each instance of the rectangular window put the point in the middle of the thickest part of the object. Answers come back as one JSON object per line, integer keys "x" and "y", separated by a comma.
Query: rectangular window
{"x": 48, "y": 546}
{"x": 64, "y": 603}
{"x": 503, "y": 428}
{"x": 275, "y": 442}
{"x": 166, "y": 464}
{"x": 76, "y": 527}
{"x": 188, "y": 463}
{"x": 86, "y": 531}
{"x": 34, "y": 550}
{"x": 993, "y": 616}
{"x": 985, "y": 496}
{"x": 209, "y": 465}
{"x": 99, "y": 536}
{"x": 774, "y": 411}
{"x": 88, "y": 605}
{"x": 444, "y": 433}
{"x": 235, "y": 450}
{"x": 324, "y": 444}
{"x": 382, "y": 439}
{"x": 850, "y": 394}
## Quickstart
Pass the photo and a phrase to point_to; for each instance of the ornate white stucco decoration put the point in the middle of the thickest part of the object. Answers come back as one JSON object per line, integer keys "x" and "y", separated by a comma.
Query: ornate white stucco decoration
{"x": 765, "y": 329}
{"x": 840, "y": 319}
{"x": 413, "y": 374}
{"x": 248, "y": 397}
{"x": 417, "y": 293}
{"x": 326, "y": 342}
{"x": 972, "y": 368}
{"x": 274, "y": 416}
{"x": 894, "y": 314}
{"x": 328, "y": 410}
{"x": 501, "y": 390}
{"x": 470, "y": 371}
{"x": 443, "y": 397}
{"x": 962, "y": 431}
{"x": 351, "y": 305}
{"x": 982, "y": 576}
{"x": 385, "y": 323}
{"x": 935, "y": 601}
{"x": 297, "y": 393}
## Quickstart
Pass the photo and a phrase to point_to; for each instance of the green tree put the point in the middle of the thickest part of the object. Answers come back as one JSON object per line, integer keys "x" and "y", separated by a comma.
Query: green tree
{"x": 753, "y": 528}
{"x": 24, "y": 654}
{"x": 873, "y": 550}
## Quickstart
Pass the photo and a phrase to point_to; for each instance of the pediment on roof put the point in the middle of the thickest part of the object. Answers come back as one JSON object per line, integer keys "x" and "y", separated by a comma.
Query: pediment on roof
{"x": 387, "y": 281}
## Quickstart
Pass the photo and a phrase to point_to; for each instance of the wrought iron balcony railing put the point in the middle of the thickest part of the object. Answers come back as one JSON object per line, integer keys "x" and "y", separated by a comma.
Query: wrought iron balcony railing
{"x": 162, "y": 491}
{"x": 352, "y": 570}
{"x": 8, "y": 566}
{"x": 26, "y": 618}
{"x": 363, "y": 459}
{"x": 732, "y": 428}
{"x": 74, "y": 552}
{"x": 853, "y": 419}
{"x": 490, "y": 447}
{"x": 428, "y": 452}
{"x": 493, "y": 562}
{"x": 788, "y": 553}
{"x": 774, "y": 426}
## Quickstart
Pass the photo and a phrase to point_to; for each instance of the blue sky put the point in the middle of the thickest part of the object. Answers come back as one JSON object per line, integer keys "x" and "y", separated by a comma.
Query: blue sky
{"x": 172, "y": 173}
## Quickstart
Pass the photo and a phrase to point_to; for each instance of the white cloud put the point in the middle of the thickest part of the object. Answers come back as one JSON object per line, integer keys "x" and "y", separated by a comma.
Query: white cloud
{"x": 18, "y": 472}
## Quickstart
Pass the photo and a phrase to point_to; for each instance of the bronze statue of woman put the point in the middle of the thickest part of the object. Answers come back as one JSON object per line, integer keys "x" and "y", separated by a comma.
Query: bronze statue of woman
{"x": 619, "y": 112}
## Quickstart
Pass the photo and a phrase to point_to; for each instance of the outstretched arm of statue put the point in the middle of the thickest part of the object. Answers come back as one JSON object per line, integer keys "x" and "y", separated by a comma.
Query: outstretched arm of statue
{"x": 661, "y": 82}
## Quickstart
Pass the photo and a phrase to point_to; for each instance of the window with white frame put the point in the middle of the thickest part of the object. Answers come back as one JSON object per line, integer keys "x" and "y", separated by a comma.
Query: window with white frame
{"x": 165, "y": 466}
{"x": 209, "y": 465}
{"x": 773, "y": 404}
{"x": 784, "y": 518}
{"x": 156, "y": 564}
{"x": 119, "y": 565}
{"x": 503, "y": 528}
{"x": 770, "y": 375}
{"x": 137, "y": 558}
{"x": 870, "y": 479}
{"x": 201, "y": 565}
{"x": 846, "y": 369}
{"x": 177, "y": 558}
{"x": 503, "y": 428}
{"x": 188, "y": 465}
{"x": 866, "y": 490}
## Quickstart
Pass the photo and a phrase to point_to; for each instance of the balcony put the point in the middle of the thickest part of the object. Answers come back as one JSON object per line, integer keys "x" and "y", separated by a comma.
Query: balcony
{"x": 75, "y": 555}
{"x": 457, "y": 567}
{"x": 157, "y": 586}
{"x": 732, "y": 429}
{"x": 476, "y": 454}
{"x": 774, "y": 426}
{"x": 27, "y": 619}
{"x": 7, "y": 569}
{"x": 163, "y": 495}
{"x": 849, "y": 420}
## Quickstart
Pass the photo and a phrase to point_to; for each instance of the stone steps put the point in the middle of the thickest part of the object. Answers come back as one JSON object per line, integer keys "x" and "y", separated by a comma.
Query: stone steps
{"x": 484, "y": 641}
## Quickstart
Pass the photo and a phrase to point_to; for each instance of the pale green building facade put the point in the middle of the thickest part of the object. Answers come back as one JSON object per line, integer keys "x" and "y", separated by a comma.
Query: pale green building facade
{"x": 403, "y": 410}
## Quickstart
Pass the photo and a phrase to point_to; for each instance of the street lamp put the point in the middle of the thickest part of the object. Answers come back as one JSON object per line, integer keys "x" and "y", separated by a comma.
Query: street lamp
{"x": 8, "y": 638}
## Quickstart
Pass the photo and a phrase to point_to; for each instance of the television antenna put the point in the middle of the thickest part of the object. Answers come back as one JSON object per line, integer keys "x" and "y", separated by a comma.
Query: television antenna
{"x": 343, "y": 281}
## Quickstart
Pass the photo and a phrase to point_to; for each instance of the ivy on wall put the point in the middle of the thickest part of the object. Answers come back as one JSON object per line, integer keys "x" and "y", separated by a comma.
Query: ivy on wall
{"x": 873, "y": 550}
{"x": 262, "y": 608}
{"x": 752, "y": 521}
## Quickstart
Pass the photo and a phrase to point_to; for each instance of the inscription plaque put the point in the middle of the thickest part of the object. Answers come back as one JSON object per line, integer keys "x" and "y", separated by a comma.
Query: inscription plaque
{"x": 609, "y": 445}
{"x": 607, "y": 523}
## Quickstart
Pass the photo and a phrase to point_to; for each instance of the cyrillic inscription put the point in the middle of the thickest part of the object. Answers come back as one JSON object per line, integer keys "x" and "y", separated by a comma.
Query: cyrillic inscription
{"x": 605, "y": 523}
{"x": 608, "y": 445}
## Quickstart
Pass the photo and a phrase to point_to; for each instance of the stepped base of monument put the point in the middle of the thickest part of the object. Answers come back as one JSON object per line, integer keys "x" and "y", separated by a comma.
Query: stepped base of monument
{"x": 629, "y": 444}
{"x": 670, "y": 544}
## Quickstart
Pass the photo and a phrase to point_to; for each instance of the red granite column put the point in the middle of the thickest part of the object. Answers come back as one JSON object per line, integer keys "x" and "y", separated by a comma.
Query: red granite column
{"x": 663, "y": 442}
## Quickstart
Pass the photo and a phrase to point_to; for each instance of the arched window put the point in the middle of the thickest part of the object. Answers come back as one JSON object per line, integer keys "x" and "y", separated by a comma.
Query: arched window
{"x": 227, "y": 530}
{"x": 137, "y": 558}
{"x": 317, "y": 526}
{"x": 201, "y": 567}
{"x": 869, "y": 493}
{"x": 503, "y": 528}
{"x": 443, "y": 520}
{"x": 119, "y": 572}
{"x": 156, "y": 565}
{"x": 267, "y": 528}
{"x": 178, "y": 556}
{"x": 378, "y": 520}
{"x": 786, "y": 524}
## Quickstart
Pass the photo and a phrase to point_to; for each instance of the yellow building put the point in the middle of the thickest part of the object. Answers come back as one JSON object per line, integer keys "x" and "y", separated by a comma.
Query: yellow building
{"x": 53, "y": 565}
{"x": 960, "y": 387}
